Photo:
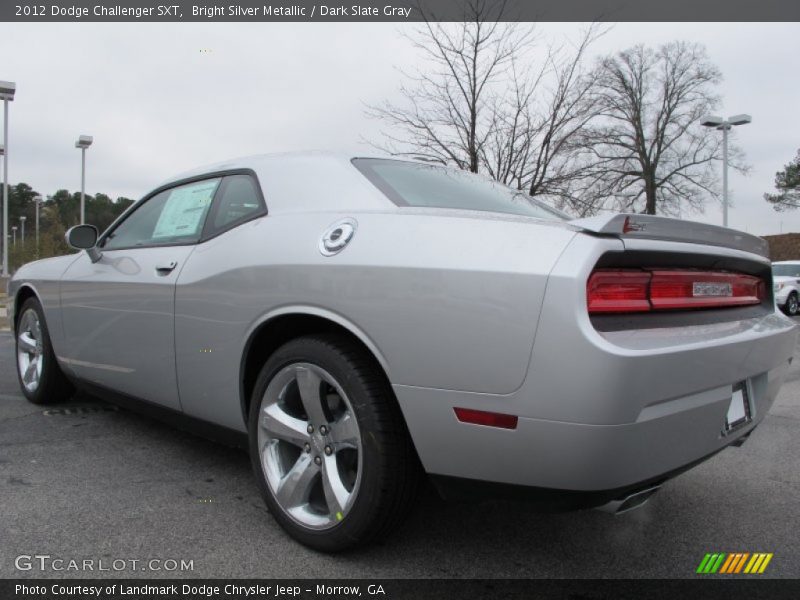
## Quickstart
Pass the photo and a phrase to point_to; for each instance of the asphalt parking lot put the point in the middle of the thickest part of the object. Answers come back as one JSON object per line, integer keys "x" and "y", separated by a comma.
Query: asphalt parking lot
{"x": 109, "y": 484}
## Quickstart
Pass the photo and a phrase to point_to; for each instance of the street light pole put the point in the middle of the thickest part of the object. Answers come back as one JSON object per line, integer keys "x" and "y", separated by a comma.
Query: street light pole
{"x": 725, "y": 126}
{"x": 2, "y": 196}
{"x": 14, "y": 231}
{"x": 22, "y": 220}
{"x": 83, "y": 143}
{"x": 7, "y": 90}
{"x": 38, "y": 201}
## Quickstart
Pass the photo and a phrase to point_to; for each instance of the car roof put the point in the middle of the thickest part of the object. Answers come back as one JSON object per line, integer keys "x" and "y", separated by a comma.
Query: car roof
{"x": 312, "y": 180}
{"x": 303, "y": 181}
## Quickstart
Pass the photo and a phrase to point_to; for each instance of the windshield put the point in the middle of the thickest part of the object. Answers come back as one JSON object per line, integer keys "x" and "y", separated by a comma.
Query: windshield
{"x": 792, "y": 270}
{"x": 423, "y": 185}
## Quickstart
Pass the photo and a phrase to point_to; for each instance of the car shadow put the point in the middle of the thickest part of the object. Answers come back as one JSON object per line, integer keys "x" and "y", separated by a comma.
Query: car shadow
{"x": 440, "y": 538}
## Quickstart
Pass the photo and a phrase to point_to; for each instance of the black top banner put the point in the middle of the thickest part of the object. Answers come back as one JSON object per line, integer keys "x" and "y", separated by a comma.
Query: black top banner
{"x": 397, "y": 10}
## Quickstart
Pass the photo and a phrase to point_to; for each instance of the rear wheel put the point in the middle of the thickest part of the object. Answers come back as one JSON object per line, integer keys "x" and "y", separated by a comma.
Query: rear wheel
{"x": 39, "y": 375}
{"x": 792, "y": 304}
{"x": 329, "y": 447}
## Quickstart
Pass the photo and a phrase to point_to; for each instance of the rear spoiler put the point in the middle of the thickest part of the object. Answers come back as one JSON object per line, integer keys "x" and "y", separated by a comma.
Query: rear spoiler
{"x": 635, "y": 226}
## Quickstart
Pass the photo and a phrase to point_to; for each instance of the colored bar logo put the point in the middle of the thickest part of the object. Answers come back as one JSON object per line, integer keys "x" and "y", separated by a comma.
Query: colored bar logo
{"x": 732, "y": 563}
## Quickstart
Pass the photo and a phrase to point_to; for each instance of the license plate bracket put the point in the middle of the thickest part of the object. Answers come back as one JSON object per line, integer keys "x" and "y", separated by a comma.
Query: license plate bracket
{"x": 739, "y": 410}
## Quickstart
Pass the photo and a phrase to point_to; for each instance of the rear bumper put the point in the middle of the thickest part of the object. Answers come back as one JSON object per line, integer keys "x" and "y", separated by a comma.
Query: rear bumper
{"x": 577, "y": 457}
{"x": 551, "y": 499}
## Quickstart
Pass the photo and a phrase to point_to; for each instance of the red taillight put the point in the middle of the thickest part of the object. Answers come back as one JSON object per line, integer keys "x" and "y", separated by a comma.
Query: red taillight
{"x": 482, "y": 417}
{"x": 703, "y": 289}
{"x": 618, "y": 291}
{"x": 629, "y": 290}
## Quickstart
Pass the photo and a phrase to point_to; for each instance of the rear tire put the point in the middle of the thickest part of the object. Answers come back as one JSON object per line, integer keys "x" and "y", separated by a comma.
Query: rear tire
{"x": 792, "y": 305}
{"x": 38, "y": 373}
{"x": 329, "y": 447}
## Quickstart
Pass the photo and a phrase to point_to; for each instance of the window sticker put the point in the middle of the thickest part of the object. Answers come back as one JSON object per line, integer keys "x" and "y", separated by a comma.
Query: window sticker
{"x": 185, "y": 210}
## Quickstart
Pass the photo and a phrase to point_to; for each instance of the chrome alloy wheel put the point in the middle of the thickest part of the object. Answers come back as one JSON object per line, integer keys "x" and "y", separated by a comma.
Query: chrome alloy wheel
{"x": 309, "y": 445}
{"x": 30, "y": 353}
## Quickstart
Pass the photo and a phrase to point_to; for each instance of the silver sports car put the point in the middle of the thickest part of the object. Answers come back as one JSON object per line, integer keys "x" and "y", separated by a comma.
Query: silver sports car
{"x": 362, "y": 322}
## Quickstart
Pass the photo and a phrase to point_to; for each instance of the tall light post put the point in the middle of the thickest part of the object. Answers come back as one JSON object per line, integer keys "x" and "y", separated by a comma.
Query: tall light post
{"x": 83, "y": 143}
{"x": 22, "y": 220}
{"x": 3, "y": 197}
{"x": 2, "y": 154}
{"x": 725, "y": 125}
{"x": 14, "y": 233}
{"x": 7, "y": 90}
{"x": 38, "y": 201}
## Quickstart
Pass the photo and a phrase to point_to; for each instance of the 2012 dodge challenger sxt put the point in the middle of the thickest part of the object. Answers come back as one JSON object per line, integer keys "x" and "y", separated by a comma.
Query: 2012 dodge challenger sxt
{"x": 364, "y": 321}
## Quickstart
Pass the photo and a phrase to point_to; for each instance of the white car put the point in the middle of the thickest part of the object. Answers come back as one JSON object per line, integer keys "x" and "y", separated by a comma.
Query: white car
{"x": 786, "y": 282}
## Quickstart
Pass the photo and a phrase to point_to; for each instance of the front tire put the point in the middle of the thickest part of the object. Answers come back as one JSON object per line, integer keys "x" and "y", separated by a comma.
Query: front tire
{"x": 329, "y": 447}
{"x": 792, "y": 305}
{"x": 40, "y": 377}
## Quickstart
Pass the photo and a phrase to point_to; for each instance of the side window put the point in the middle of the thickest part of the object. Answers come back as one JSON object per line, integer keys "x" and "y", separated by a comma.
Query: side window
{"x": 238, "y": 200}
{"x": 174, "y": 216}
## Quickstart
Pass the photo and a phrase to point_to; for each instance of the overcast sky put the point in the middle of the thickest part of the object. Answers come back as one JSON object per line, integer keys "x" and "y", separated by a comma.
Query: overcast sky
{"x": 156, "y": 105}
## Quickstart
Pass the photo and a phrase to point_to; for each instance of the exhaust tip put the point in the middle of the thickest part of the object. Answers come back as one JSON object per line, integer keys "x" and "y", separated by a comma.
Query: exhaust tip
{"x": 629, "y": 502}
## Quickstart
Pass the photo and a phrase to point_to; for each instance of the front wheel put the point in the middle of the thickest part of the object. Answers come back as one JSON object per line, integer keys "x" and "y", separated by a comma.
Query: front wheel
{"x": 39, "y": 375}
{"x": 329, "y": 446}
{"x": 792, "y": 304}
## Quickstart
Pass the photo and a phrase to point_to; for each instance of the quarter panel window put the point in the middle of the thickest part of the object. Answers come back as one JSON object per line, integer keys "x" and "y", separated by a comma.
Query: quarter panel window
{"x": 174, "y": 216}
{"x": 238, "y": 201}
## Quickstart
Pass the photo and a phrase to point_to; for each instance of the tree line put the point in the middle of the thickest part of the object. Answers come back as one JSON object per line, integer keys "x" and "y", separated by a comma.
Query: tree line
{"x": 57, "y": 213}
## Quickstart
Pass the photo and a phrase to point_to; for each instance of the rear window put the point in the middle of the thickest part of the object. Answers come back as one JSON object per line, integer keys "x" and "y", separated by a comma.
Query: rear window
{"x": 786, "y": 270}
{"x": 431, "y": 186}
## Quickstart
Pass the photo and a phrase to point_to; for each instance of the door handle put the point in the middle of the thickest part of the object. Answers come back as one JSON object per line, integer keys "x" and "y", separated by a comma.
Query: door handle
{"x": 166, "y": 268}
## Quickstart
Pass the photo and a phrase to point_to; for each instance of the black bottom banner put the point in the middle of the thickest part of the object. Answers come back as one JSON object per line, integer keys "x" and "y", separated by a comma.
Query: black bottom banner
{"x": 391, "y": 589}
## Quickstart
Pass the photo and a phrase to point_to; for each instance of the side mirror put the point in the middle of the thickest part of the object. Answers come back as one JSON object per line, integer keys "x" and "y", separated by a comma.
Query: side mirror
{"x": 84, "y": 237}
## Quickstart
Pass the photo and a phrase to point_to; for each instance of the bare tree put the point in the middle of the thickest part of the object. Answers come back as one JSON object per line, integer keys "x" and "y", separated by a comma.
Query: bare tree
{"x": 445, "y": 113}
{"x": 535, "y": 129}
{"x": 484, "y": 103}
{"x": 645, "y": 150}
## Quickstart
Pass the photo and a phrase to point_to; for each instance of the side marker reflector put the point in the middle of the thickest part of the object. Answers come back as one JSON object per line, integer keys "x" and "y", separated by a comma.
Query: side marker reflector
{"x": 482, "y": 417}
